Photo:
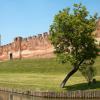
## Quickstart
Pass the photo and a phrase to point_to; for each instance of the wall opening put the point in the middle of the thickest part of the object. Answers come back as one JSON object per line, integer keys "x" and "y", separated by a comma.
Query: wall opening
{"x": 11, "y": 56}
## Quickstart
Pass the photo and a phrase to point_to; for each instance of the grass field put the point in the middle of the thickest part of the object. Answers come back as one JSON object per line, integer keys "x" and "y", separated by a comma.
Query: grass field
{"x": 42, "y": 74}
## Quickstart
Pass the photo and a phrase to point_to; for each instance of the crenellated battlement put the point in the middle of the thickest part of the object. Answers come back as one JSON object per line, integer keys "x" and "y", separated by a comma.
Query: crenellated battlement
{"x": 44, "y": 35}
{"x": 26, "y": 39}
{"x": 32, "y": 46}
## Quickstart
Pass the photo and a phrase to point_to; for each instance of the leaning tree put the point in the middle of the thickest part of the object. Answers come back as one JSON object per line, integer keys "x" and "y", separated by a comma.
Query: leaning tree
{"x": 71, "y": 35}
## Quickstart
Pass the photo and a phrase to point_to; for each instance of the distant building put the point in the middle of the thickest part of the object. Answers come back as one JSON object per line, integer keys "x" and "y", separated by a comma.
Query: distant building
{"x": 97, "y": 35}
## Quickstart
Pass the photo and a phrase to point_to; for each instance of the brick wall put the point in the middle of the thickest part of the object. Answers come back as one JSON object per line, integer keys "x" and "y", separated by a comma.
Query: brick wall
{"x": 34, "y": 46}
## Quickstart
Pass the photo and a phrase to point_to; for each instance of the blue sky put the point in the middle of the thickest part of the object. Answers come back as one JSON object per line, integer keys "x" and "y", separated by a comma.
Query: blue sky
{"x": 30, "y": 17}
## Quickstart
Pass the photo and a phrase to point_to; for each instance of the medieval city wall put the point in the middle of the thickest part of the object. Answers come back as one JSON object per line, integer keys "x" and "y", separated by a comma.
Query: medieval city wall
{"x": 34, "y": 46}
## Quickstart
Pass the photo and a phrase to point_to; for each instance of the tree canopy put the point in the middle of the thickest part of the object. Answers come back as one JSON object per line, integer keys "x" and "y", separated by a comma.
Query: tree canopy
{"x": 71, "y": 35}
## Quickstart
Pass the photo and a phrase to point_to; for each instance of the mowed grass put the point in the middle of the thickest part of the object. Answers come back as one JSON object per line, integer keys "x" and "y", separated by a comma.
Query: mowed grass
{"x": 42, "y": 75}
{"x": 44, "y": 66}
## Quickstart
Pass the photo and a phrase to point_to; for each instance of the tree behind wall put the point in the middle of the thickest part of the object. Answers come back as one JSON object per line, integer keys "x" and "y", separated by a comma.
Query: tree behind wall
{"x": 72, "y": 38}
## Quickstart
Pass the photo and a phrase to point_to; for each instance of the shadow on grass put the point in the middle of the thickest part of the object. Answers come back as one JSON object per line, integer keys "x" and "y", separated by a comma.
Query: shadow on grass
{"x": 83, "y": 86}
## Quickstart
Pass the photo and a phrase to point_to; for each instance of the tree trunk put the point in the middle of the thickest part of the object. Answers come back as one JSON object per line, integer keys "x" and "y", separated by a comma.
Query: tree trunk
{"x": 70, "y": 74}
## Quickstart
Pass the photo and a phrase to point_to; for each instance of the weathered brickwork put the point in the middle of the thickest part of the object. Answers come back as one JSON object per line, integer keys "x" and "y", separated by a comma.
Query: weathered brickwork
{"x": 35, "y": 46}
{"x": 97, "y": 35}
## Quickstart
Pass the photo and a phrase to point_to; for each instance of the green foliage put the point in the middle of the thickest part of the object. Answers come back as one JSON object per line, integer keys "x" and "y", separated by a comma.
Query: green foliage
{"x": 71, "y": 35}
{"x": 72, "y": 32}
{"x": 88, "y": 71}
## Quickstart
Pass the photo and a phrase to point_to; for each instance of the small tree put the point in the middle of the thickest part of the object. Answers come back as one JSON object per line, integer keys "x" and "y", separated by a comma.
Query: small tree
{"x": 88, "y": 71}
{"x": 72, "y": 38}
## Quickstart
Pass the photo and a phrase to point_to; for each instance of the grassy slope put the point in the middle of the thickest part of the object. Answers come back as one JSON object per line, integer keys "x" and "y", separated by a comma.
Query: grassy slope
{"x": 41, "y": 74}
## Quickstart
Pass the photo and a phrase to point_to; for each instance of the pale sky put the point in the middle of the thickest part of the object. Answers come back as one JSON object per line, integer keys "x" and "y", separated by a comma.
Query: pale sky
{"x": 30, "y": 17}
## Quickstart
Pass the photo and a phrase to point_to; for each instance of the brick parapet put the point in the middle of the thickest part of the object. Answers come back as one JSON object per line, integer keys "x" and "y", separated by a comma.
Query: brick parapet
{"x": 28, "y": 46}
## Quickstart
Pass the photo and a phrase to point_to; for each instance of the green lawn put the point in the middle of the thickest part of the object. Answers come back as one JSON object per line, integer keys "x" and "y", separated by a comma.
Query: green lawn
{"x": 42, "y": 74}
